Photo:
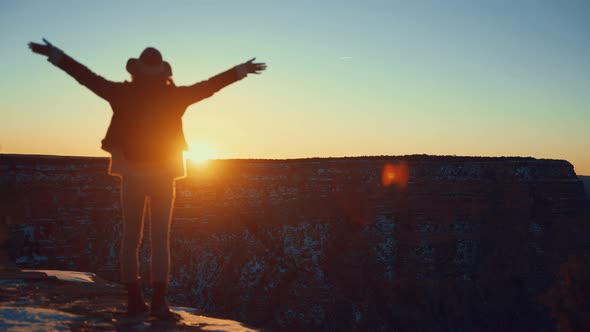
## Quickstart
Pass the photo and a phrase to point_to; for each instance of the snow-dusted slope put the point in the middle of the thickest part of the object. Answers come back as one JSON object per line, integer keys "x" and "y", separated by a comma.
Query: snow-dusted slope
{"x": 31, "y": 301}
{"x": 35, "y": 319}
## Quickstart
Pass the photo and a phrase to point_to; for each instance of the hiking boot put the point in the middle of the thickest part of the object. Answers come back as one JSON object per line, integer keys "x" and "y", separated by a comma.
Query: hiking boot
{"x": 160, "y": 307}
{"x": 136, "y": 305}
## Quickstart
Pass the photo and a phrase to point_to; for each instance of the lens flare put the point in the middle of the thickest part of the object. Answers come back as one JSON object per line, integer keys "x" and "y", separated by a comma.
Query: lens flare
{"x": 396, "y": 174}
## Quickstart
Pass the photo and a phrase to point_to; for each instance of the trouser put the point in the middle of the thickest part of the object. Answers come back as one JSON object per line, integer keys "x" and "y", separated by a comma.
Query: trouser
{"x": 136, "y": 191}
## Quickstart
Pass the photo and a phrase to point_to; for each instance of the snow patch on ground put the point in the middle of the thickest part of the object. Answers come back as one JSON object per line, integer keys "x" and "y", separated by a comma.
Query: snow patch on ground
{"x": 209, "y": 323}
{"x": 74, "y": 276}
{"x": 34, "y": 319}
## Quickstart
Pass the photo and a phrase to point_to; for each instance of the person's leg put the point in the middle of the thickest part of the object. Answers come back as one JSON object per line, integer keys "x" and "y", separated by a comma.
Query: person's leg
{"x": 161, "y": 205}
{"x": 133, "y": 204}
{"x": 162, "y": 194}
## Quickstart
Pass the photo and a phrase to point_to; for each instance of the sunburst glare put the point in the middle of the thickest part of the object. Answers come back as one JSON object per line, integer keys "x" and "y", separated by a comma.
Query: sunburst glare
{"x": 200, "y": 152}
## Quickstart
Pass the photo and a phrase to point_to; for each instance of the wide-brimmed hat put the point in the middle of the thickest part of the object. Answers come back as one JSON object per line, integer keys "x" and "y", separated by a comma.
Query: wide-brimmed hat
{"x": 150, "y": 63}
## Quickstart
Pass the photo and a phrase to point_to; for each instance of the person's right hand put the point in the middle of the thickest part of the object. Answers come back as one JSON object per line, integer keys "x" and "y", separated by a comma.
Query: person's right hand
{"x": 40, "y": 48}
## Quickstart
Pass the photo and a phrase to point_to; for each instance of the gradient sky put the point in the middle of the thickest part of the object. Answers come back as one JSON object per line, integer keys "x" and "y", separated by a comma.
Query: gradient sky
{"x": 345, "y": 78}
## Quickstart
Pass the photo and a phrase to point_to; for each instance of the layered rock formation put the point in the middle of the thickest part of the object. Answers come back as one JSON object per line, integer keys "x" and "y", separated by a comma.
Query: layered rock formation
{"x": 373, "y": 243}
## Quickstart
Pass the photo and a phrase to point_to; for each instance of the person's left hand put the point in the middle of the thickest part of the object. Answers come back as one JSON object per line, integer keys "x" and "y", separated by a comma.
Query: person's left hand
{"x": 40, "y": 48}
{"x": 254, "y": 67}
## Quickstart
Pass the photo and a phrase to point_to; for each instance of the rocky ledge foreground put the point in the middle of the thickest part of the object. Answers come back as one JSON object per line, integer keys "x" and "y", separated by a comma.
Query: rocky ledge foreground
{"x": 50, "y": 300}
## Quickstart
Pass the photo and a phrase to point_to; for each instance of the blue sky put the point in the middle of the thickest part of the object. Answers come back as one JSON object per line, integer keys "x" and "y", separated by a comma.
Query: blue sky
{"x": 344, "y": 78}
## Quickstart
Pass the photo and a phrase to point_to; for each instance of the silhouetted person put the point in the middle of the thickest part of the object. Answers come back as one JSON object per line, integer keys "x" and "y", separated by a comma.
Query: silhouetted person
{"x": 146, "y": 142}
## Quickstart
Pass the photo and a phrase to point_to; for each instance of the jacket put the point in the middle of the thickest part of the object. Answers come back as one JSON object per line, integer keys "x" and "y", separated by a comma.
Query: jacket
{"x": 147, "y": 121}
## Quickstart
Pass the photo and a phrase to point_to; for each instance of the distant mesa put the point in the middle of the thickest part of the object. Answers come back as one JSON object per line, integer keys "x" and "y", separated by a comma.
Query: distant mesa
{"x": 586, "y": 180}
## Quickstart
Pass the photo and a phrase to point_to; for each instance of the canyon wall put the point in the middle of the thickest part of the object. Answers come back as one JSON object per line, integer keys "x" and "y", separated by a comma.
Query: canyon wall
{"x": 408, "y": 243}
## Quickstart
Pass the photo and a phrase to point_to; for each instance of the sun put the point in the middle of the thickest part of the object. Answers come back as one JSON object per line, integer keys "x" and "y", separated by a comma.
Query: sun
{"x": 199, "y": 152}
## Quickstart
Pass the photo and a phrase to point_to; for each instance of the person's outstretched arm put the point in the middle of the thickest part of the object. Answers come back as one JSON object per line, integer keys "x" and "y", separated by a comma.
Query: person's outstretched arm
{"x": 83, "y": 75}
{"x": 201, "y": 90}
